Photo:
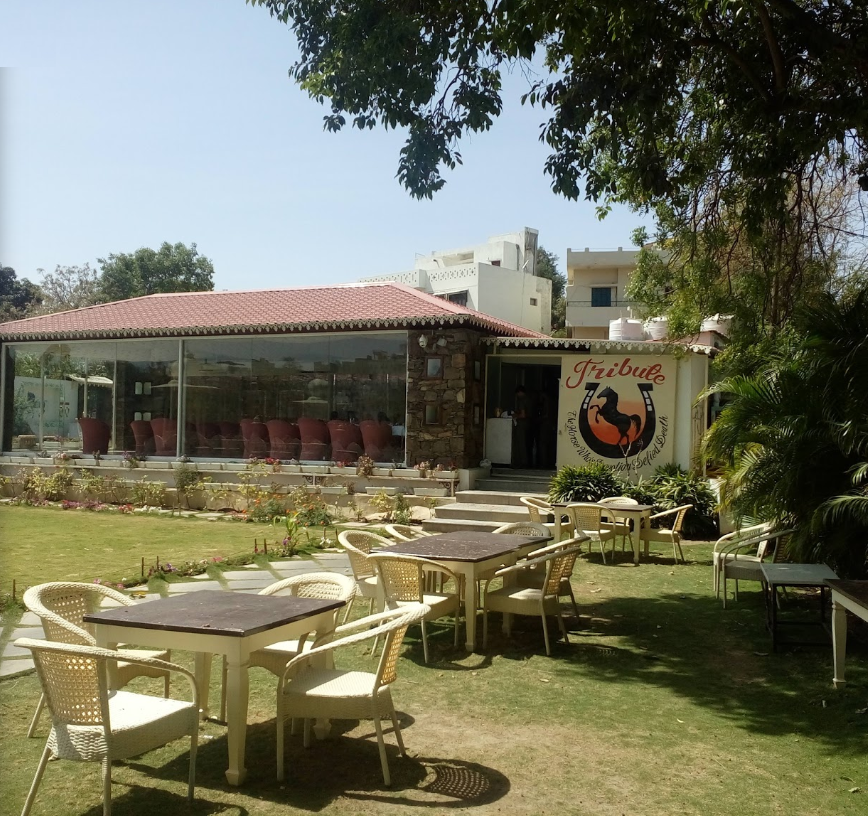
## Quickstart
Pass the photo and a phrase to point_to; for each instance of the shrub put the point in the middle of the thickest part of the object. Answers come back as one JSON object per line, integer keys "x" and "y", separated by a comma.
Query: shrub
{"x": 402, "y": 509}
{"x": 264, "y": 511}
{"x": 148, "y": 494}
{"x": 588, "y": 483}
{"x": 385, "y": 504}
{"x": 310, "y": 508}
{"x": 671, "y": 486}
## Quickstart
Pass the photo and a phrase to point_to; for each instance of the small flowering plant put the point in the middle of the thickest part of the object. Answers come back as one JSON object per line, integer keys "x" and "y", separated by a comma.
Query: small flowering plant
{"x": 130, "y": 460}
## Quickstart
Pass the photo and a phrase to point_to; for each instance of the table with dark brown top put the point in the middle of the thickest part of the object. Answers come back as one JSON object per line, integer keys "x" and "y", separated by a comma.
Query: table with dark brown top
{"x": 208, "y": 622}
{"x": 846, "y": 595}
{"x": 470, "y": 554}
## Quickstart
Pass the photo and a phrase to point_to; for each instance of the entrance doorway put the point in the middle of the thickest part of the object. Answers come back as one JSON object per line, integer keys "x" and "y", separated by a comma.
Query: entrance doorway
{"x": 522, "y": 414}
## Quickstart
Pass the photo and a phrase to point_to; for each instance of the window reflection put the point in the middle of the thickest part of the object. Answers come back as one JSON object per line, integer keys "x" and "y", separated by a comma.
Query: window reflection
{"x": 83, "y": 397}
{"x": 246, "y": 397}
{"x": 305, "y": 397}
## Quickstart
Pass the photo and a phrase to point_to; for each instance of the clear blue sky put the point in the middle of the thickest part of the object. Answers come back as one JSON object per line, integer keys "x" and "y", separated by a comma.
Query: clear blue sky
{"x": 126, "y": 123}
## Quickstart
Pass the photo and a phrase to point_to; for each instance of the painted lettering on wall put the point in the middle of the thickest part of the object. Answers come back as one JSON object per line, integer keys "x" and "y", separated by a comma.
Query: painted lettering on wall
{"x": 599, "y": 369}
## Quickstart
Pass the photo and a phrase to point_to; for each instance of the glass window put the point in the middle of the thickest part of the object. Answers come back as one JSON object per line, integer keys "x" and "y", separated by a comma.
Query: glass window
{"x": 238, "y": 397}
{"x": 601, "y": 297}
{"x": 244, "y": 396}
{"x": 83, "y": 396}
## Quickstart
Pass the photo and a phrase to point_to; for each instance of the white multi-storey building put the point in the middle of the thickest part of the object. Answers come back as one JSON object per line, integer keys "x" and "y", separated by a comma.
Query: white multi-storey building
{"x": 596, "y": 290}
{"x": 498, "y": 278}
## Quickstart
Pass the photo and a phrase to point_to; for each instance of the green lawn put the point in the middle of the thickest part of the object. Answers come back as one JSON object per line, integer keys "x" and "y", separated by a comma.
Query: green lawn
{"x": 48, "y": 544}
{"x": 663, "y": 703}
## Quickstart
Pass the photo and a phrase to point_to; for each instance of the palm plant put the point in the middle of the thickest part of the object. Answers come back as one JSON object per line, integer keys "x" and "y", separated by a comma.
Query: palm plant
{"x": 794, "y": 436}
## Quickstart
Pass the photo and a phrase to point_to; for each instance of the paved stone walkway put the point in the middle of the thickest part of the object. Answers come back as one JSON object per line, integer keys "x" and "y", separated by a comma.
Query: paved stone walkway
{"x": 252, "y": 578}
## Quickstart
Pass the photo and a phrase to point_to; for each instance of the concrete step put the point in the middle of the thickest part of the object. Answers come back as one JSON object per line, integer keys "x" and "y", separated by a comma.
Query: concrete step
{"x": 524, "y": 486}
{"x": 500, "y": 513}
{"x": 493, "y": 497}
{"x": 446, "y": 525}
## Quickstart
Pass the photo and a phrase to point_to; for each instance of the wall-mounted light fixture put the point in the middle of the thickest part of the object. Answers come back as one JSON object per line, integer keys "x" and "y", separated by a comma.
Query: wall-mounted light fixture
{"x": 425, "y": 341}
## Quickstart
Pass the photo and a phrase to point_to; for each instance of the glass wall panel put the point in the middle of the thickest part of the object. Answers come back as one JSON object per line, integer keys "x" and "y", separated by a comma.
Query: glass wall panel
{"x": 83, "y": 396}
{"x": 241, "y": 397}
{"x": 244, "y": 396}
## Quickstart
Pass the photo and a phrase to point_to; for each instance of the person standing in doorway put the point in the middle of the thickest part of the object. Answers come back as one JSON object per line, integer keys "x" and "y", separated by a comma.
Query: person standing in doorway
{"x": 520, "y": 416}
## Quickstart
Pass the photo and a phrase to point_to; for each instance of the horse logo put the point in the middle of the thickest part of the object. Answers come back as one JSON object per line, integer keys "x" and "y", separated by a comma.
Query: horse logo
{"x": 615, "y": 434}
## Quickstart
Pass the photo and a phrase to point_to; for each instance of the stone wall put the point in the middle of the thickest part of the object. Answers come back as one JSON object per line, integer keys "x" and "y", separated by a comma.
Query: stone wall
{"x": 445, "y": 409}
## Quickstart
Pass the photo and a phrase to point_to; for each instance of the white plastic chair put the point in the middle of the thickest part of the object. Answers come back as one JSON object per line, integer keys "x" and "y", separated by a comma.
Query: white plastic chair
{"x": 62, "y": 605}
{"x": 769, "y": 546}
{"x": 410, "y": 580}
{"x": 669, "y": 535}
{"x": 725, "y": 542}
{"x": 89, "y": 723}
{"x": 322, "y": 585}
{"x": 520, "y": 600}
{"x": 539, "y": 511}
{"x": 309, "y": 692}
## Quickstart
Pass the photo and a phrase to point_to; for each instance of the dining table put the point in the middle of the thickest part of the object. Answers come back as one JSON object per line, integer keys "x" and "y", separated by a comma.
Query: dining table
{"x": 471, "y": 555}
{"x": 210, "y": 622}
{"x": 847, "y": 596}
{"x": 639, "y": 514}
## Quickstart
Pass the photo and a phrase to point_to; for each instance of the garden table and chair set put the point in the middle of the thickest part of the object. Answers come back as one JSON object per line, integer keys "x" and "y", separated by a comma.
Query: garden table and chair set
{"x": 292, "y": 629}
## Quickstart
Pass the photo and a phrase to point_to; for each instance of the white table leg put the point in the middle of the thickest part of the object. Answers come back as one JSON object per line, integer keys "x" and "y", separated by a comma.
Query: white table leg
{"x": 470, "y": 601}
{"x": 202, "y": 670}
{"x": 839, "y": 642}
{"x": 237, "y": 690}
{"x": 556, "y": 530}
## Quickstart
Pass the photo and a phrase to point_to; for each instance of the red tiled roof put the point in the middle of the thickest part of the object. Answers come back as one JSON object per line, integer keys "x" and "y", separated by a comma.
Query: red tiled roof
{"x": 324, "y": 308}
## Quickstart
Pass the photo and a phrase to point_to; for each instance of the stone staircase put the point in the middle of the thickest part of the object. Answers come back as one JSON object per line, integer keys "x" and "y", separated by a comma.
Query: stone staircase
{"x": 494, "y": 502}
{"x": 526, "y": 482}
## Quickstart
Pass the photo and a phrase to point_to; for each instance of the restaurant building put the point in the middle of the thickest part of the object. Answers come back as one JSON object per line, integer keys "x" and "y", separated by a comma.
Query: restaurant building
{"x": 330, "y": 373}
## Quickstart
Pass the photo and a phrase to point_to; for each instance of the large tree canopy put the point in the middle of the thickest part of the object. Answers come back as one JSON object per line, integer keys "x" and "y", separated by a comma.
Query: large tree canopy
{"x": 648, "y": 99}
{"x": 17, "y": 297}
{"x": 172, "y": 268}
{"x": 740, "y": 124}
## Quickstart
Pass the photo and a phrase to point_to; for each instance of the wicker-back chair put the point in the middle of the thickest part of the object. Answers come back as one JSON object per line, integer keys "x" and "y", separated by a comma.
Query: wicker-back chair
{"x": 62, "y": 605}
{"x": 538, "y": 509}
{"x": 359, "y": 544}
{"x": 542, "y": 601}
{"x": 534, "y": 574}
{"x": 409, "y": 580}
{"x": 91, "y": 724}
{"x": 405, "y": 532}
{"x": 669, "y": 535}
{"x": 524, "y": 528}
{"x": 620, "y": 526}
{"x": 587, "y": 518}
{"x": 329, "y": 586}
{"x": 308, "y": 692}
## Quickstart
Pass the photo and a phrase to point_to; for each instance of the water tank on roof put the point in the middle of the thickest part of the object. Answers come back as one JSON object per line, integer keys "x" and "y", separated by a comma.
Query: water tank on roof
{"x": 718, "y": 323}
{"x": 625, "y": 329}
{"x": 657, "y": 328}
